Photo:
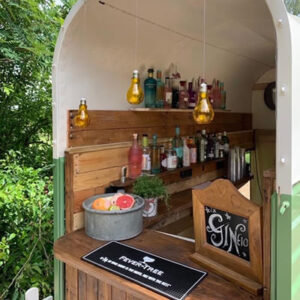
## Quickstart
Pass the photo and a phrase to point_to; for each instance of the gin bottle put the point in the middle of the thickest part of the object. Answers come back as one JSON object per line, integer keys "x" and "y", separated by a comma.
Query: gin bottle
{"x": 159, "y": 90}
{"x": 178, "y": 147}
{"x": 167, "y": 93}
{"x": 150, "y": 90}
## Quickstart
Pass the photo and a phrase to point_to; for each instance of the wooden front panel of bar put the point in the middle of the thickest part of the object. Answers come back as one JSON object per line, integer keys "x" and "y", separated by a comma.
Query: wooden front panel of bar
{"x": 92, "y": 163}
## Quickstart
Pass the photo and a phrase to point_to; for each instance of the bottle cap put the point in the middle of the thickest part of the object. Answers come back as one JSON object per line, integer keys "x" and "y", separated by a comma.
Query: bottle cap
{"x": 177, "y": 130}
{"x": 135, "y": 73}
{"x": 151, "y": 70}
{"x": 203, "y": 87}
{"x": 135, "y": 135}
{"x": 82, "y": 101}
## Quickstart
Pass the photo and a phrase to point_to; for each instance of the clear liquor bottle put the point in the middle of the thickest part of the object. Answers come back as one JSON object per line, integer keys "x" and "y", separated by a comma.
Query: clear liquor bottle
{"x": 146, "y": 163}
{"x": 155, "y": 156}
{"x": 150, "y": 90}
{"x": 171, "y": 158}
{"x": 178, "y": 147}
{"x": 186, "y": 153}
{"x": 168, "y": 93}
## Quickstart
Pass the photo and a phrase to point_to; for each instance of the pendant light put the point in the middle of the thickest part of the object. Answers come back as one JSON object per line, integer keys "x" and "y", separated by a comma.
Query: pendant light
{"x": 203, "y": 112}
{"x": 135, "y": 93}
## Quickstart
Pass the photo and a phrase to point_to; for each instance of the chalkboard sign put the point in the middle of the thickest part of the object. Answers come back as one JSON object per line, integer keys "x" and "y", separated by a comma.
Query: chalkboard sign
{"x": 228, "y": 234}
{"x": 161, "y": 275}
{"x": 227, "y": 231}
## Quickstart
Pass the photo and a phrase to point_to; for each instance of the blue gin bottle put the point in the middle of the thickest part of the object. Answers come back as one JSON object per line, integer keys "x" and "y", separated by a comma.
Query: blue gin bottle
{"x": 150, "y": 90}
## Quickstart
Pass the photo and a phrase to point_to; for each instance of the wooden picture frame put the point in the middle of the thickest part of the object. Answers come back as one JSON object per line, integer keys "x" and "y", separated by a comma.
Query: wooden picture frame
{"x": 223, "y": 196}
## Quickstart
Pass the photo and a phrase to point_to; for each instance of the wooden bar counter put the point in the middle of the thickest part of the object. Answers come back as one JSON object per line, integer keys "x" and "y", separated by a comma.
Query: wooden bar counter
{"x": 88, "y": 282}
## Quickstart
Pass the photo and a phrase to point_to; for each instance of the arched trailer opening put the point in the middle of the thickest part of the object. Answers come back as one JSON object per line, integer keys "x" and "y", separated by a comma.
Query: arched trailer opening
{"x": 97, "y": 50}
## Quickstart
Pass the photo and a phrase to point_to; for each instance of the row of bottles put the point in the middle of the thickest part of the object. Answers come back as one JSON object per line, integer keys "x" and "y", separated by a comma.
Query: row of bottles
{"x": 179, "y": 152}
{"x": 176, "y": 93}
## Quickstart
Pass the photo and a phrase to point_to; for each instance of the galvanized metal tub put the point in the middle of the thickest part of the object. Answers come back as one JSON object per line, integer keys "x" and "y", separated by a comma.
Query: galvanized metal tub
{"x": 114, "y": 225}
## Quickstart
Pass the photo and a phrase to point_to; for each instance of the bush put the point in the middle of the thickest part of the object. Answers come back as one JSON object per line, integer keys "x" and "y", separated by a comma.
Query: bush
{"x": 26, "y": 229}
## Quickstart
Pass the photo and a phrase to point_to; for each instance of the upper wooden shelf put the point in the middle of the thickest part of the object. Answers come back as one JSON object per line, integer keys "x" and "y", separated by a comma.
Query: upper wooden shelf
{"x": 187, "y": 110}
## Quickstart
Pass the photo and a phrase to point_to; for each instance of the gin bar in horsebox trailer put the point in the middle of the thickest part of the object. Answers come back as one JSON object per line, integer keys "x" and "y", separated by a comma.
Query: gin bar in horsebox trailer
{"x": 169, "y": 120}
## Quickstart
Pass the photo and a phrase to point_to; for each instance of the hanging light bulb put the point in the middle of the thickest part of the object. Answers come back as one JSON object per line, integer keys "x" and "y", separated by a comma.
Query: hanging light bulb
{"x": 82, "y": 119}
{"x": 203, "y": 112}
{"x": 135, "y": 93}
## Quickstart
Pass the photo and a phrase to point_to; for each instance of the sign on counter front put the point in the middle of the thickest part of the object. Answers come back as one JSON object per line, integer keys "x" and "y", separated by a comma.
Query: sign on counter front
{"x": 161, "y": 275}
{"x": 227, "y": 231}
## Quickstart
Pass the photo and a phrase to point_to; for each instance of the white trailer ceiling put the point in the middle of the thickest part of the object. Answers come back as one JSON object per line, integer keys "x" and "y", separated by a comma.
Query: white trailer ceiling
{"x": 95, "y": 53}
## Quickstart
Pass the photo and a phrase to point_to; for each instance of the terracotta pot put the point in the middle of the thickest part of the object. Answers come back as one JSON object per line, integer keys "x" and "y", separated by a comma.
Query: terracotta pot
{"x": 150, "y": 209}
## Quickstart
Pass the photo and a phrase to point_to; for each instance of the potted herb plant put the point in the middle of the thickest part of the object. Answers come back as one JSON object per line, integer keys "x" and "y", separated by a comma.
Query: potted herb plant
{"x": 152, "y": 189}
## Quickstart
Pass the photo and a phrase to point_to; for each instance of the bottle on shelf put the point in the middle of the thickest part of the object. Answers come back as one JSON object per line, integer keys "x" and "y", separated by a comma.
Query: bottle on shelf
{"x": 221, "y": 145}
{"x": 82, "y": 119}
{"x": 198, "y": 141}
{"x": 210, "y": 151}
{"x": 135, "y": 158}
{"x": 216, "y": 147}
{"x": 159, "y": 90}
{"x": 150, "y": 90}
{"x": 175, "y": 92}
{"x": 223, "y": 96}
{"x": 216, "y": 93}
{"x": 163, "y": 159}
{"x": 183, "y": 96}
{"x": 178, "y": 147}
{"x": 168, "y": 93}
{"x": 203, "y": 146}
{"x": 171, "y": 158}
{"x": 192, "y": 95}
{"x": 193, "y": 151}
{"x": 225, "y": 140}
{"x": 146, "y": 162}
{"x": 186, "y": 153}
{"x": 155, "y": 156}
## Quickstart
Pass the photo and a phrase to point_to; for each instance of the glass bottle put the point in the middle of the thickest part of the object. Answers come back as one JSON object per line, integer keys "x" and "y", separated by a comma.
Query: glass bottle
{"x": 186, "y": 153}
{"x": 135, "y": 93}
{"x": 210, "y": 151}
{"x": 155, "y": 156}
{"x": 178, "y": 147}
{"x": 159, "y": 90}
{"x": 171, "y": 158}
{"x": 226, "y": 143}
{"x": 163, "y": 159}
{"x": 135, "y": 158}
{"x": 192, "y": 96}
{"x": 167, "y": 93}
{"x": 216, "y": 146}
{"x": 221, "y": 146}
{"x": 198, "y": 141}
{"x": 175, "y": 92}
{"x": 203, "y": 112}
{"x": 193, "y": 150}
{"x": 82, "y": 119}
{"x": 203, "y": 146}
{"x": 146, "y": 163}
{"x": 183, "y": 95}
{"x": 150, "y": 90}
{"x": 223, "y": 96}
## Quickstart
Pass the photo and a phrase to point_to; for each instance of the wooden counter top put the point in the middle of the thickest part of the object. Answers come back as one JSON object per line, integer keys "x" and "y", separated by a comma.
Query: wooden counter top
{"x": 96, "y": 283}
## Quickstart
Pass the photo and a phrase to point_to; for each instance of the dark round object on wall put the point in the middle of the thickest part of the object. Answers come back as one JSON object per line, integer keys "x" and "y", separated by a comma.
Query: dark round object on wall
{"x": 269, "y": 95}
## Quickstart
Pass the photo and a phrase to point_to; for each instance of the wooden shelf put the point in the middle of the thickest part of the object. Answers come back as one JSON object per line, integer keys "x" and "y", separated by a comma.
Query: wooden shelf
{"x": 173, "y": 176}
{"x": 187, "y": 110}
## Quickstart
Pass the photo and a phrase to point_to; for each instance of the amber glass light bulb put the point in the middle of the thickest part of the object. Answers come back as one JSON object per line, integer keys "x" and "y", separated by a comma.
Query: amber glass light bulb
{"x": 203, "y": 112}
{"x": 82, "y": 119}
{"x": 135, "y": 93}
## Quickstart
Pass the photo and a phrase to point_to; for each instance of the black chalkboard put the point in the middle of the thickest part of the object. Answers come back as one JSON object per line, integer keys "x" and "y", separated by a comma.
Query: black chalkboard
{"x": 161, "y": 275}
{"x": 227, "y": 231}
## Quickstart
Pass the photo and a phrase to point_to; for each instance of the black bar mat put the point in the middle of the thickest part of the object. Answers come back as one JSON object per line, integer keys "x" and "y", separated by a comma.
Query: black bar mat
{"x": 166, "y": 277}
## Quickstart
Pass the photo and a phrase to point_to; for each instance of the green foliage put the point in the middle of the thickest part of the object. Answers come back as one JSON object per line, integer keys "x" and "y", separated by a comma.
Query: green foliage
{"x": 150, "y": 187}
{"x": 26, "y": 228}
{"x": 28, "y": 33}
{"x": 293, "y": 7}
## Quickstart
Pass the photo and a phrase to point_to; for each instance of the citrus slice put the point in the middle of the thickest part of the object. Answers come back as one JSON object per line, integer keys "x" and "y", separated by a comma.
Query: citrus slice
{"x": 125, "y": 201}
{"x": 113, "y": 199}
{"x": 101, "y": 204}
{"x": 114, "y": 207}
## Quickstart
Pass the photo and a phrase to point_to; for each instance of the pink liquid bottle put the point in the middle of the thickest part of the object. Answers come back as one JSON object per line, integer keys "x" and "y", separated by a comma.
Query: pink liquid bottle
{"x": 135, "y": 157}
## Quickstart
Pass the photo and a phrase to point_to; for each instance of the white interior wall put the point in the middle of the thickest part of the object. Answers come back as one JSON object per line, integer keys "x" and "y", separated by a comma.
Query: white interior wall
{"x": 96, "y": 55}
{"x": 263, "y": 117}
